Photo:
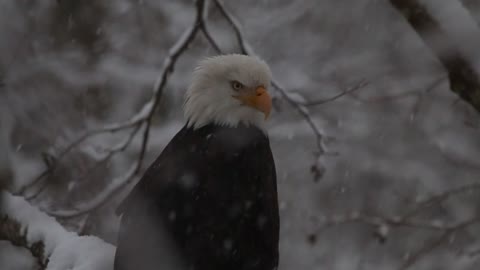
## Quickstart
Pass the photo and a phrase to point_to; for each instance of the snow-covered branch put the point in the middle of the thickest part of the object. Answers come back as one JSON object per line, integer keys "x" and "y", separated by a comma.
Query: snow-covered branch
{"x": 13, "y": 232}
{"x": 53, "y": 247}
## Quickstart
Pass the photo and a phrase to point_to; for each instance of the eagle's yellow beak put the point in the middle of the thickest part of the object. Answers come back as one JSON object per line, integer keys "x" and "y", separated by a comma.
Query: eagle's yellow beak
{"x": 259, "y": 100}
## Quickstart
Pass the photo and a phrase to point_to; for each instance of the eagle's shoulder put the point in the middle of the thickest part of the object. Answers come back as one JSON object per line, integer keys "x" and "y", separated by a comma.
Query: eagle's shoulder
{"x": 237, "y": 138}
{"x": 192, "y": 151}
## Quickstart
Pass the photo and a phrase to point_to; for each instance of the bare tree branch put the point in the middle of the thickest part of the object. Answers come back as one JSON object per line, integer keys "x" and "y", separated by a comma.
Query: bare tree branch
{"x": 430, "y": 247}
{"x": 438, "y": 198}
{"x": 464, "y": 80}
{"x": 108, "y": 155}
{"x": 205, "y": 30}
{"x": 237, "y": 28}
{"x": 410, "y": 93}
{"x": 101, "y": 198}
{"x": 135, "y": 122}
{"x": 174, "y": 53}
{"x": 144, "y": 117}
{"x": 350, "y": 90}
{"x": 383, "y": 224}
{"x": 405, "y": 220}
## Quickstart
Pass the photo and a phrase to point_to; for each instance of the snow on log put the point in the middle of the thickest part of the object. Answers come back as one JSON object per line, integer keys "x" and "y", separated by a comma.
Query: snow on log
{"x": 53, "y": 247}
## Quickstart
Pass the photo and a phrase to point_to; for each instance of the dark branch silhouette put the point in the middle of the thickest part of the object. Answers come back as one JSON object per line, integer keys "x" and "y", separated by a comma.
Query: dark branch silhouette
{"x": 464, "y": 80}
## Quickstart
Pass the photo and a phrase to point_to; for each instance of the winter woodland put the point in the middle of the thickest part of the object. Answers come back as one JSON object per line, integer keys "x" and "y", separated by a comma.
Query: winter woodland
{"x": 375, "y": 129}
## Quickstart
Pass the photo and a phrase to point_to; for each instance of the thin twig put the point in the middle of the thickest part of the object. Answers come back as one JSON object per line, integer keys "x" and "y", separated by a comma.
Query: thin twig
{"x": 379, "y": 221}
{"x": 135, "y": 122}
{"x": 382, "y": 223}
{"x": 106, "y": 158}
{"x": 423, "y": 251}
{"x": 101, "y": 198}
{"x": 350, "y": 90}
{"x": 244, "y": 46}
{"x": 205, "y": 30}
{"x": 404, "y": 220}
{"x": 438, "y": 198}
{"x": 428, "y": 248}
{"x": 411, "y": 93}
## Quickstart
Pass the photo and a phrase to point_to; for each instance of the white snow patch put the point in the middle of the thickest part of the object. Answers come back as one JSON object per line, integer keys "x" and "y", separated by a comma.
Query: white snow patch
{"x": 15, "y": 258}
{"x": 66, "y": 250}
{"x": 37, "y": 225}
{"x": 82, "y": 253}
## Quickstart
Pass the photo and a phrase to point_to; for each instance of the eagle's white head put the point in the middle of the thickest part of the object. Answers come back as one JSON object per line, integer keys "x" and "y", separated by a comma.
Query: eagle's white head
{"x": 229, "y": 90}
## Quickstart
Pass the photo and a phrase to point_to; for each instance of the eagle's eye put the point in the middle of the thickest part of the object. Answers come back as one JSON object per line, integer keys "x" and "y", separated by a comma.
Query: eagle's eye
{"x": 236, "y": 85}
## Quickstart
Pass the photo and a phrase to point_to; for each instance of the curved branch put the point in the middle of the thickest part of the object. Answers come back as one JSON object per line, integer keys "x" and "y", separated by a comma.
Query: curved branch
{"x": 350, "y": 90}
{"x": 464, "y": 79}
{"x": 145, "y": 116}
{"x": 440, "y": 197}
{"x": 429, "y": 247}
{"x": 382, "y": 224}
{"x": 168, "y": 65}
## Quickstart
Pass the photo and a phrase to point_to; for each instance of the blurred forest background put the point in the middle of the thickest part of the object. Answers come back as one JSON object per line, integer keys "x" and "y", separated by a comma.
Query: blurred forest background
{"x": 377, "y": 158}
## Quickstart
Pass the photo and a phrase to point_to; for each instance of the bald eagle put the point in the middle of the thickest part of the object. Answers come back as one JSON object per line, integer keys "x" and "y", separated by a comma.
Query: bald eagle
{"x": 209, "y": 201}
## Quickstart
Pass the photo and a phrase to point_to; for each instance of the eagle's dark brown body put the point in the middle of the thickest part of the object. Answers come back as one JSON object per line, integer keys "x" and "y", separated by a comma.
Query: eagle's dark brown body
{"x": 209, "y": 202}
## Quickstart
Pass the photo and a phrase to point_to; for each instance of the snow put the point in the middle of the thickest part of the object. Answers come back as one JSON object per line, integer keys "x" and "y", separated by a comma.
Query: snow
{"x": 15, "y": 258}
{"x": 66, "y": 250}
{"x": 387, "y": 160}
{"x": 38, "y": 226}
{"x": 82, "y": 253}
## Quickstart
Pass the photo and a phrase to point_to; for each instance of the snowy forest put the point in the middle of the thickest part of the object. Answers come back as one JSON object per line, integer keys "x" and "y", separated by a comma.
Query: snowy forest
{"x": 374, "y": 131}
